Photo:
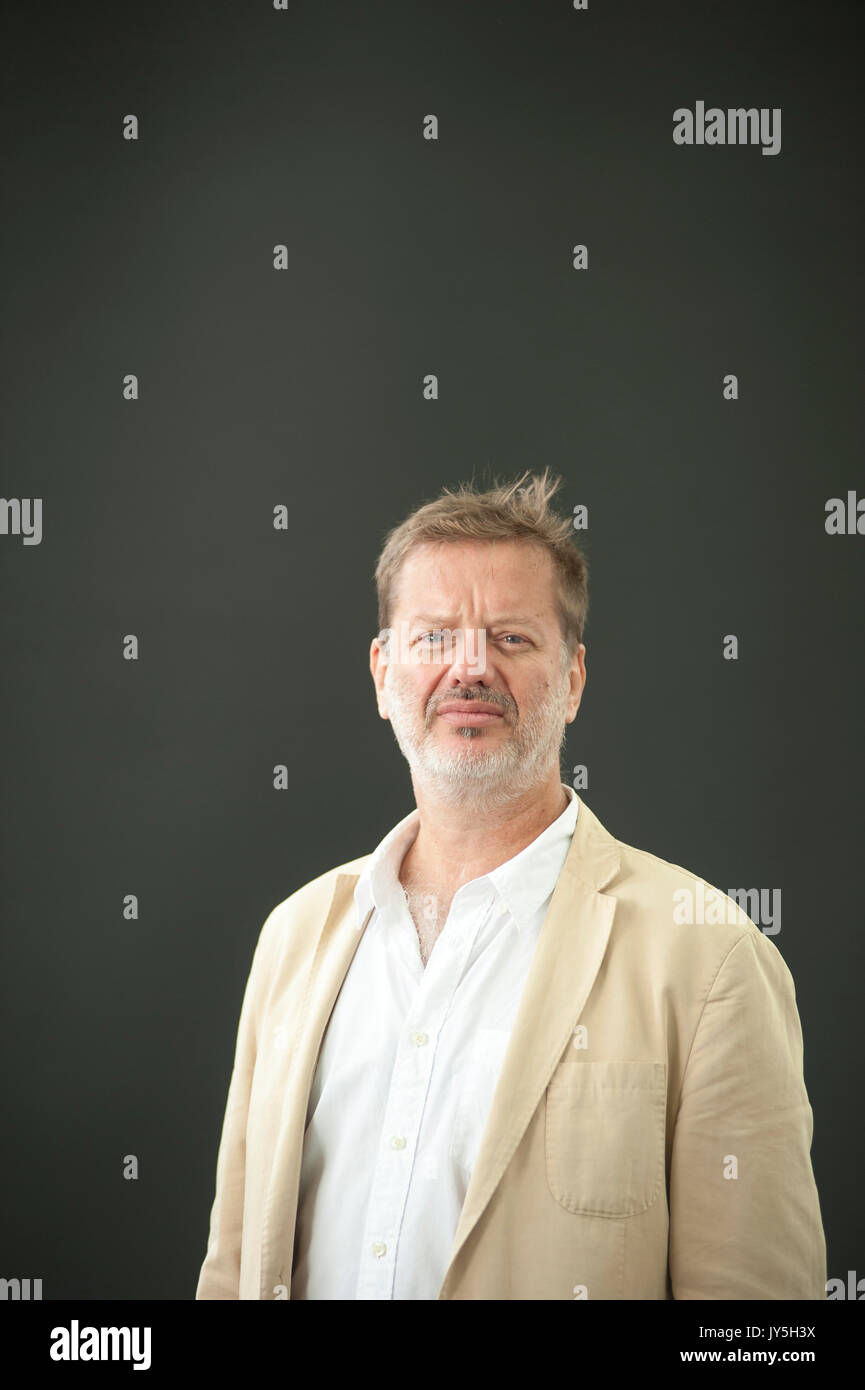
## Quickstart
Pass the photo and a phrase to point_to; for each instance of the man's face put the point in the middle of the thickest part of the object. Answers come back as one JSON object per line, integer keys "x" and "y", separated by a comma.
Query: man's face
{"x": 481, "y": 714}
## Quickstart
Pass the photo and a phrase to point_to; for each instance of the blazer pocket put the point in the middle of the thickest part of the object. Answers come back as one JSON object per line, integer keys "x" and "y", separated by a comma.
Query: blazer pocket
{"x": 604, "y": 1136}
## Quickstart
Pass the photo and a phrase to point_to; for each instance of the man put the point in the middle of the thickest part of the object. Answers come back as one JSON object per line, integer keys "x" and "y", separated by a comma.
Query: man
{"x": 489, "y": 1060}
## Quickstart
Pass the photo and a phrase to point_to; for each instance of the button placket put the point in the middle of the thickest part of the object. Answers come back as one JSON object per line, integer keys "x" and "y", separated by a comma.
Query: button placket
{"x": 406, "y": 1105}
{"x": 403, "y": 1119}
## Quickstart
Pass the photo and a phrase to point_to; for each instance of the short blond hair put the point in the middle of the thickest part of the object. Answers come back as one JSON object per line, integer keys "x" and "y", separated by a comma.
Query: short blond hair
{"x": 512, "y": 511}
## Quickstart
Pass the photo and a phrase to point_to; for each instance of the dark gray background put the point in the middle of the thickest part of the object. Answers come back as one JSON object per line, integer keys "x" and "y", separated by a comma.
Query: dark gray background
{"x": 304, "y": 387}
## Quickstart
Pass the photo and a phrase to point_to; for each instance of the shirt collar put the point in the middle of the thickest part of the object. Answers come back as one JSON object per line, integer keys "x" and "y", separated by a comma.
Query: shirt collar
{"x": 378, "y": 881}
{"x": 522, "y": 883}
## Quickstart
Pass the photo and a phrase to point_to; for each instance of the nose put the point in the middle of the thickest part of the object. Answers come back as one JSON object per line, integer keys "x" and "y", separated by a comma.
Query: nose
{"x": 468, "y": 663}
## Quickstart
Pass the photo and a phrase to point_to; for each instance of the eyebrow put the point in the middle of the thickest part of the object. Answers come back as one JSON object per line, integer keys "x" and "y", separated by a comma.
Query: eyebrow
{"x": 439, "y": 620}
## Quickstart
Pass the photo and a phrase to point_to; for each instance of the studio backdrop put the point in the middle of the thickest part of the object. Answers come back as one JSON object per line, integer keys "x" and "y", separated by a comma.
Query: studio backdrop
{"x": 274, "y": 275}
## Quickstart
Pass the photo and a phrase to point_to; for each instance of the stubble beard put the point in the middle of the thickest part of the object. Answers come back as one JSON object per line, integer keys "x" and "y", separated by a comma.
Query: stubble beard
{"x": 472, "y": 774}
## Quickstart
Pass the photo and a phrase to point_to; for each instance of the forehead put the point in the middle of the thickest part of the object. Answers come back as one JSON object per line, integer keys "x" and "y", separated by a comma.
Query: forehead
{"x": 451, "y": 576}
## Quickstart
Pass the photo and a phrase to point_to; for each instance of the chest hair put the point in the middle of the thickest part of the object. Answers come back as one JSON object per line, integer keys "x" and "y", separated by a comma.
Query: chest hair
{"x": 429, "y": 911}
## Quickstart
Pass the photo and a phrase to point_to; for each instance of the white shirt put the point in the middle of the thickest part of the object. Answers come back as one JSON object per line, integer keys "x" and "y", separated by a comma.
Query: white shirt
{"x": 407, "y": 1070}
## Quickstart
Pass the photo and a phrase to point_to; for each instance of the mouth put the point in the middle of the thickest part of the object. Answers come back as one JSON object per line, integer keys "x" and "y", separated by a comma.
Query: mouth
{"x": 470, "y": 712}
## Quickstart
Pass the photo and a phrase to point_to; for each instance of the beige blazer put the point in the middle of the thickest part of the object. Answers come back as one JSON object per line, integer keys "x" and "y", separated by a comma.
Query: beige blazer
{"x": 650, "y": 1132}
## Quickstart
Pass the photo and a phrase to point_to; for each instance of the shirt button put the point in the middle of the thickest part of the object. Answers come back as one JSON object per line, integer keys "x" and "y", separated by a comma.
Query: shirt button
{"x": 420, "y": 1039}
{"x": 378, "y": 1248}
{"x": 397, "y": 1142}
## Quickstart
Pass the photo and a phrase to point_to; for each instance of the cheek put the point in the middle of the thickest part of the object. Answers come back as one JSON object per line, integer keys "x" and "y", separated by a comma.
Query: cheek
{"x": 413, "y": 684}
{"x": 533, "y": 689}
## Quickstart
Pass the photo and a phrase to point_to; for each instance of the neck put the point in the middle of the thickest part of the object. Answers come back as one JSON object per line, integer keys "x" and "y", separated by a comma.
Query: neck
{"x": 458, "y": 841}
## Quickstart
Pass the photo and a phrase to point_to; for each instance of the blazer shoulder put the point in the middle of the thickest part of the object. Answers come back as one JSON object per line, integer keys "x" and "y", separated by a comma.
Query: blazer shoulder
{"x": 681, "y": 895}
{"x": 310, "y": 902}
{"x": 642, "y": 862}
{"x": 645, "y": 880}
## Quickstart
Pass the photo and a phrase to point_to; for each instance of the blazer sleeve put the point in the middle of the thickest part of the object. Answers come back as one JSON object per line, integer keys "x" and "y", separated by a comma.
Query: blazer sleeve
{"x": 219, "y": 1277}
{"x": 745, "y": 1218}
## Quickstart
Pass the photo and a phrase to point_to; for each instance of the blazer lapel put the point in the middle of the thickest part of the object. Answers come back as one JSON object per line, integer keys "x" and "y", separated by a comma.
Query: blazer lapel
{"x": 338, "y": 940}
{"x": 567, "y": 958}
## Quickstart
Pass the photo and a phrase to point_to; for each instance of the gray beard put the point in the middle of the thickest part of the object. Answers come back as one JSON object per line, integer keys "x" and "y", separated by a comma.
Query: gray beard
{"x": 495, "y": 778}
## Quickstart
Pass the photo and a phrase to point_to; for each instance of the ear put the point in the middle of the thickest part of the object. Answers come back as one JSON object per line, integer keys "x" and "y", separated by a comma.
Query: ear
{"x": 577, "y": 677}
{"x": 378, "y": 667}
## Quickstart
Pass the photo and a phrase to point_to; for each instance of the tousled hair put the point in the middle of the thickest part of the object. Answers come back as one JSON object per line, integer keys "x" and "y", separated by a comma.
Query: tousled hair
{"x": 519, "y": 510}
